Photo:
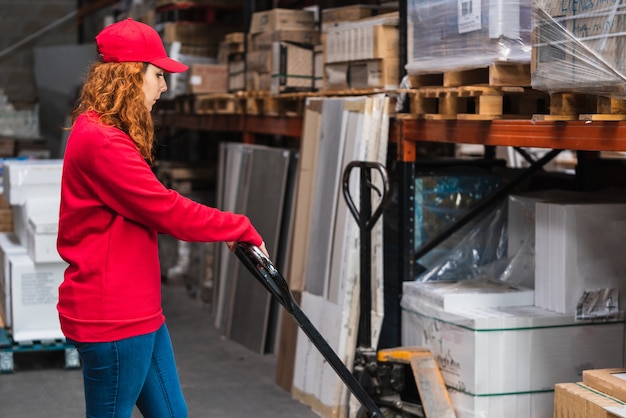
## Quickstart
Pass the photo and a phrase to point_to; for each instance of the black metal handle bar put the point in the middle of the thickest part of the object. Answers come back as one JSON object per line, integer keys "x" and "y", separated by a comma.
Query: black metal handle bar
{"x": 366, "y": 219}
{"x": 268, "y": 275}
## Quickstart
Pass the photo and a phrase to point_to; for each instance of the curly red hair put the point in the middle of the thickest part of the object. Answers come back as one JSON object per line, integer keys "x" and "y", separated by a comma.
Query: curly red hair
{"x": 114, "y": 91}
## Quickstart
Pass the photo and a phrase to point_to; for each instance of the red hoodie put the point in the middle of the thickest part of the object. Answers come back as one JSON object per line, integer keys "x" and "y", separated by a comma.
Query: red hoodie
{"x": 112, "y": 209}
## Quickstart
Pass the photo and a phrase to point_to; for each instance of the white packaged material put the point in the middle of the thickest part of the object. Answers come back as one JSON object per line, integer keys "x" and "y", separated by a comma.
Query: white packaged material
{"x": 579, "y": 247}
{"x": 493, "y": 352}
{"x": 521, "y": 230}
{"x": 468, "y": 294}
{"x": 34, "y": 296}
{"x": 8, "y": 245}
{"x": 455, "y": 35}
{"x": 31, "y": 178}
{"x": 42, "y": 230}
{"x": 515, "y": 405}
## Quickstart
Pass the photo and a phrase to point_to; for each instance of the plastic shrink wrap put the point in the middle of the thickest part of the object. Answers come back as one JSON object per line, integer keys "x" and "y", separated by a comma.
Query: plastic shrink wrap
{"x": 579, "y": 47}
{"x": 454, "y": 35}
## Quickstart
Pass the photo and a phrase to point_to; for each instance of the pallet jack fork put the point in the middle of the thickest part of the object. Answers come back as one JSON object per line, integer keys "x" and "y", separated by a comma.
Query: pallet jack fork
{"x": 378, "y": 377}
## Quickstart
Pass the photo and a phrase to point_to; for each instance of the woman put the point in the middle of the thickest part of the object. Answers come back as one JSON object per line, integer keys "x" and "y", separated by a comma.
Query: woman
{"x": 112, "y": 209}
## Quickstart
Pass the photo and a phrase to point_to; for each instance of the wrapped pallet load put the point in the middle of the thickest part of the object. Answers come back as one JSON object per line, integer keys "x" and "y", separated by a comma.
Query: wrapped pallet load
{"x": 579, "y": 47}
{"x": 450, "y": 35}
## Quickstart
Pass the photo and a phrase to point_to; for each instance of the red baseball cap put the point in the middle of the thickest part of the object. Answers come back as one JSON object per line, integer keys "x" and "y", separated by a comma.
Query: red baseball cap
{"x": 132, "y": 41}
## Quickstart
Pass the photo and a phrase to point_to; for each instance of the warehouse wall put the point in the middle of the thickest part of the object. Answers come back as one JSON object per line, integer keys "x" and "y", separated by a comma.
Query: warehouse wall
{"x": 19, "y": 19}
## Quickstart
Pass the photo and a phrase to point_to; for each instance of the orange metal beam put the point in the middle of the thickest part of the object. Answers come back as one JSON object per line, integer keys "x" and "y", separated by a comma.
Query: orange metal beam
{"x": 574, "y": 135}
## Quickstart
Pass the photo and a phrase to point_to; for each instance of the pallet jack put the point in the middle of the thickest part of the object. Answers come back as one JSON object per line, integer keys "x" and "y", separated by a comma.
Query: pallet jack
{"x": 402, "y": 382}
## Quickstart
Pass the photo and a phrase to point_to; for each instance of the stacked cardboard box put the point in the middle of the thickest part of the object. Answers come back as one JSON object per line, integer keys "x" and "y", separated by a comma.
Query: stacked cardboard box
{"x": 234, "y": 55}
{"x": 361, "y": 53}
{"x": 192, "y": 32}
{"x": 207, "y": 78}
{"x": 579, "y": 48}
{"x": 280, "y": 54}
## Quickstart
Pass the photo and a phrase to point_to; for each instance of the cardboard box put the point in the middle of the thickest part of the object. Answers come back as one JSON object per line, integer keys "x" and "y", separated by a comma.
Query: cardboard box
{"x": 451, "y": 36}
{"x": 610, "y": 381}
{"x": 6, "y": 220}
{"x": 292, "y": 68}
{"x": 207, "y": 78}
{"x": 177, "y": 82}
{"x": 285, "y": 67}
{"x": 282, "y": 19}
{"x": 363, "y": 74}
{"x": 7, "y": 147}
{"x": 366, "y": 39}
{"x": 187, "y": 33}
{"x": 196, "y": 34}
{"x": 578, "y": 49}
{"x": 577, "y": 400}
{"x": 334, "y": 15}
{"x": 489, "y": 352}
{"x": 318, "y": 65}
{"x": 236, "y": 72}
{"x": 259, "y": 61}
{"x": 34, "y": 295}
{"x": 256, "y": 81}
{"x": 235, "y": 38}
{"x": 265, "y": 40}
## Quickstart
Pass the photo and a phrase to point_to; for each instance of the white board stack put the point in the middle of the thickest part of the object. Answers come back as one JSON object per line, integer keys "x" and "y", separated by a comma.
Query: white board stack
{"x": 578, "y": 247}
{"x": 505, "y": 361}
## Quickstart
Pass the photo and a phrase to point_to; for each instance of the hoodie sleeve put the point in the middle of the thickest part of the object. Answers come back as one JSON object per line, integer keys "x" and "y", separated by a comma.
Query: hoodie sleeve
{"x": 124, "y": 182}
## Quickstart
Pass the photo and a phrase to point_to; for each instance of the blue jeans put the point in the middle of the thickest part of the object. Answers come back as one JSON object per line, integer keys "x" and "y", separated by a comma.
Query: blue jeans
{"x": 135, "y": 371}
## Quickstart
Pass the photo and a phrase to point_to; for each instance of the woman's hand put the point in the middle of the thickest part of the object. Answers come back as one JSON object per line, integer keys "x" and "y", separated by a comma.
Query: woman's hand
{"x": 263, "y": 249}
{"x": 232, "y": 245}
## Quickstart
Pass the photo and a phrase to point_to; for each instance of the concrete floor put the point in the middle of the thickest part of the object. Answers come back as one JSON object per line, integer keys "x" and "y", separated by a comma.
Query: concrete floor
{"x": 220, "y": 378}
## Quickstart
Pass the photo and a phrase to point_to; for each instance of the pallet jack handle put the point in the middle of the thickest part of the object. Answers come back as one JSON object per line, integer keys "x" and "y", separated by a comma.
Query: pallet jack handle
{"x": 268, "y": 275}
{"x": 366, "y": 219}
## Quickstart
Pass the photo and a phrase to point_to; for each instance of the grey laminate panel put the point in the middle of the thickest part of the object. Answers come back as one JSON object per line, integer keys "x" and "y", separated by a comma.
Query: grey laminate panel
{"x": 266, "y": 192}
{"x": 236, "y": 167}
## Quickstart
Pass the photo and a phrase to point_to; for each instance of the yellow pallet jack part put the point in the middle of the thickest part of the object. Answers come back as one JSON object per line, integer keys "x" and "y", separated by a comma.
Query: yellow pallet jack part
{"x": 430, "y": 385}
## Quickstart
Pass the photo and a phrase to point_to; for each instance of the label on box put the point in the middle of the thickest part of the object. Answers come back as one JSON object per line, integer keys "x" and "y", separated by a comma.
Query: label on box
{"x": 469, "y": 15}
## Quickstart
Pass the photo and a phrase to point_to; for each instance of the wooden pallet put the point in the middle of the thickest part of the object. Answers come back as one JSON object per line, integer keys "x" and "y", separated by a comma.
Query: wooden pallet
{"x": 354, "y": 92}
{"x": 285, "y": 104}
{"x": 8, "y": 347}
{"x": 476, "y": 102}
{"x": 496, "y": 75}
{"x": 586, "y": 107}
{"x": 225, "y": 103}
